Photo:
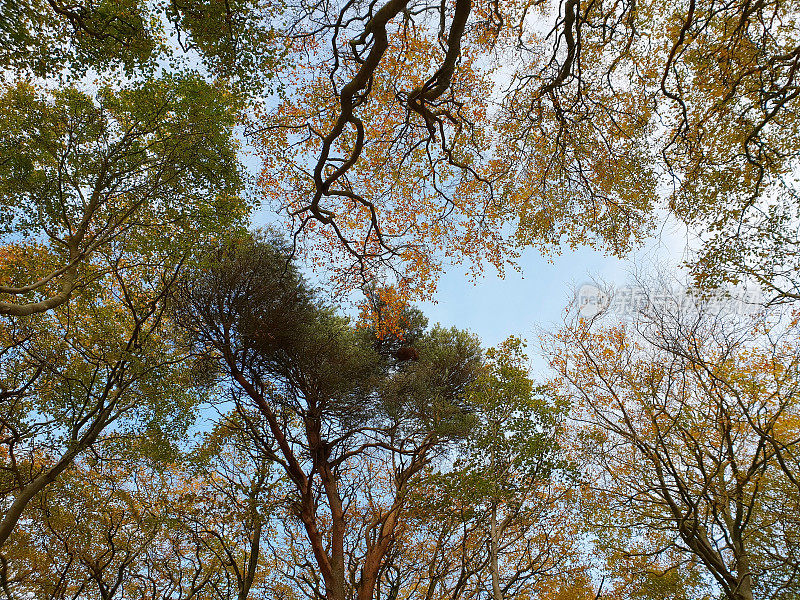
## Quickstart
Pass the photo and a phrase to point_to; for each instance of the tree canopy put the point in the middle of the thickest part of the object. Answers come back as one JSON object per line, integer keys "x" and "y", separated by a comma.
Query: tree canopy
{"x": 419, "y": 132}
{"x": 185, "y": 416}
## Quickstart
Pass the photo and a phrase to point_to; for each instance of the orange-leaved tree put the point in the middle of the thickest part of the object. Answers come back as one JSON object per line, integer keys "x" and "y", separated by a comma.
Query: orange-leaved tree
{"x": 416, "y": 132}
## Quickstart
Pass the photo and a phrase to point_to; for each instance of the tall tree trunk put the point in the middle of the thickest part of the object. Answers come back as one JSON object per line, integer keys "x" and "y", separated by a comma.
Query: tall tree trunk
{"x": 494, "y": 544}
{"x": 252, "y": 560}
{"x": 494, "y": 534}
{"x": 744, "y": 589}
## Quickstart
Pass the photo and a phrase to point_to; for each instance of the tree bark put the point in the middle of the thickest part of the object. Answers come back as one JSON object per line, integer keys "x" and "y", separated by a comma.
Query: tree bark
{"x": 494, "y": 543}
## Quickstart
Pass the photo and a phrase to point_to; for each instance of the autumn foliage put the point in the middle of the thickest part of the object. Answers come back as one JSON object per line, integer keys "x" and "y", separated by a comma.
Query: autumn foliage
{"x": 200, "y": 400}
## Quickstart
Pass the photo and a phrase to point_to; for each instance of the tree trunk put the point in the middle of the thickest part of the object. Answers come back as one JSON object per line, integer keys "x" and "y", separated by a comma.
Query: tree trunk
{"x": 494, "y": 543}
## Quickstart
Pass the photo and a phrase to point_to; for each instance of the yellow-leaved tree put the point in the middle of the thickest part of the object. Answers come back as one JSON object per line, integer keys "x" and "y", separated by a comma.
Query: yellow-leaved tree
{"x": 687, "y": 417}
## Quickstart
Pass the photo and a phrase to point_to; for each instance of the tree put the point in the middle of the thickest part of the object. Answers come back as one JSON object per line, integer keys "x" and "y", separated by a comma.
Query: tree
{"x": 235, "y": 40}
{"x": 87, "y": 181}
{"x": 85, "y": 535}
{"x": 667, "y": 403}
{"x": 500, "y": 522}
{"x": 511, "y": 463}
{"x": 109, "y": 363}
{"x": 419, "y": 132}
{"x": 232, "y": 494}
{"x": 137, "y": 523}
{"x": 41, "y": 37}
{"x": 334, "y": 414}
{"x": 108, "y": 188}
{"x": 144, "y": 152}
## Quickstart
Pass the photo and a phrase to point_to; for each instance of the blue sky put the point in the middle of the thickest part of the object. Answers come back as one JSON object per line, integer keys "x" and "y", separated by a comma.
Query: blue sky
{"x": 534, "y": 299}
